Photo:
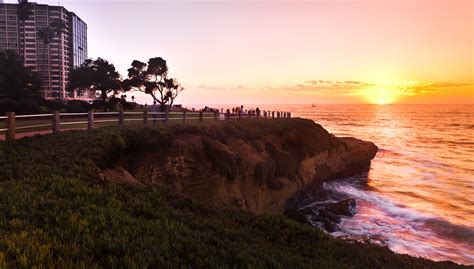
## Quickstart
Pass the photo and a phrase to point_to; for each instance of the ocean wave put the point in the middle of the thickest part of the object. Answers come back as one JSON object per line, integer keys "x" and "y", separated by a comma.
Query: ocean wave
{"x": 387, "y": 152}
{"x": 453, "y": 231}
{"x": 419, "y": 222}
{"x": 371, "y": 197}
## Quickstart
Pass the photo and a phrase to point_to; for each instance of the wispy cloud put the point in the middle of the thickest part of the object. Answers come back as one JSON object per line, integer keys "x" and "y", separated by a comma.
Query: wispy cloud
{"x": 340, "y": 88}
{"x": 348, "y": 87}
{"x": 351, "y": 87}
{"x": 410, "y": 88}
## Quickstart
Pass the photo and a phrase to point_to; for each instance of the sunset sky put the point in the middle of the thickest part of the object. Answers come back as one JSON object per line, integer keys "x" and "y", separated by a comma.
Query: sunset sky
{"x": 402, "y": 51}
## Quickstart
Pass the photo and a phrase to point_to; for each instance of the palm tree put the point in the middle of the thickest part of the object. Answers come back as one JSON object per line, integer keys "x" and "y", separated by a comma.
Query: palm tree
{"x": 24, "y": 12}
{"x": 47, "y": 34}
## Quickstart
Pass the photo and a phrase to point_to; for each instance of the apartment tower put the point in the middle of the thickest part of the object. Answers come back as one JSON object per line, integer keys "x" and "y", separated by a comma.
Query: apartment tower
{"x": 52, "y": 60}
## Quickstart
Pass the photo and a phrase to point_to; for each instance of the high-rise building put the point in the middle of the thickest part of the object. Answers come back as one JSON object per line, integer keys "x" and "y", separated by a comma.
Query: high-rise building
{"x": 53, "y": 59}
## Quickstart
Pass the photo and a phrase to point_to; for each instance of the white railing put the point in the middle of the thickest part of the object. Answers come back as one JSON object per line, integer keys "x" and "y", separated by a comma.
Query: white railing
{"x": 37, "y": 123}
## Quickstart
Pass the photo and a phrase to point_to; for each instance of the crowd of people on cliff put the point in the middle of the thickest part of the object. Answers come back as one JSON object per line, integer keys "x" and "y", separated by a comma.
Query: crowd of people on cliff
{"x": 238, "y": 111}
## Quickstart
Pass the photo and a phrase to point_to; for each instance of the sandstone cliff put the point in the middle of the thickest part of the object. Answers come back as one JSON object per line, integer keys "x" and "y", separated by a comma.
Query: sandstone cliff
{"x": 256, "y": 165}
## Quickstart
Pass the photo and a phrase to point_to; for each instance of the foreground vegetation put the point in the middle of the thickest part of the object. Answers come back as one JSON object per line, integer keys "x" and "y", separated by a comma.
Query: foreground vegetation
{"x": 55, "y": 213}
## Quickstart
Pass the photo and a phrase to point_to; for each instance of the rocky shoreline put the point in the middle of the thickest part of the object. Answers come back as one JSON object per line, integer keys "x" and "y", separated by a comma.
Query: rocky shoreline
{"x": 256, "y": 166}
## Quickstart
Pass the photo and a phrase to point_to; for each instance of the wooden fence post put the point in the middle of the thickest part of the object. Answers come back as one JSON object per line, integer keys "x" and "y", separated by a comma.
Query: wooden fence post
{"x": 56, "y": 122}
{"x": 90, "y": 120}
{"x": 273, "y": 114}
{"x": 167, "y": 116}
{"x": 289, "y": 114}
{"x": 11, "y": 125}
{"x": 145, "y": 117}
{"x": 200, "y": 115}
{"x": 184, "y": 116}
{"x": 216, "y": 115}
{"x": 120, "y": 118}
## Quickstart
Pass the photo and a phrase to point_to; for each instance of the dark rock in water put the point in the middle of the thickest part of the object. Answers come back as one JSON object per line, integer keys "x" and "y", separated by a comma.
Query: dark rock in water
{"x": 316, "y": 222}
{"x": 323, "y": 216}
{"x": 330, "y": 226}
{"x": 344, "y": 208}
{"x": 324, "y": 224}
{"x": 295, "y": 214}
{"x": 329, "y": 215}
{"x": 307, "y": 211}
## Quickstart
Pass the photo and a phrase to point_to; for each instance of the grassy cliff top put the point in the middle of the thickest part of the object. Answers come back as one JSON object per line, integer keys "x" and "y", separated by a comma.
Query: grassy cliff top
{"x": 52, "y": 215}
{"x": 82, "y": 154}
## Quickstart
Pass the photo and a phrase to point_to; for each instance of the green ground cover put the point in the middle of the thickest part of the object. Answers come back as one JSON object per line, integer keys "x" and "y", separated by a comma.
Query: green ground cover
{"x": 55, "y": 213}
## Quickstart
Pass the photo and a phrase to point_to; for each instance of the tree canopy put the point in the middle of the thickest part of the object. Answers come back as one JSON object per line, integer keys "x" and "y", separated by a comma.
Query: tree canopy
{"x": 152, "y": 78}
{"x": 24, "y": 10}
{"x": 46, "y": 34}
{"x": 16, "y": 81}
{"x": 96, "y": 76}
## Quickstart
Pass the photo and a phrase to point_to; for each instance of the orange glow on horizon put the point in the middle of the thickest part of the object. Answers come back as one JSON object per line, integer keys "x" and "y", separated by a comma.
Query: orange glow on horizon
{"x": 381, "y": 96}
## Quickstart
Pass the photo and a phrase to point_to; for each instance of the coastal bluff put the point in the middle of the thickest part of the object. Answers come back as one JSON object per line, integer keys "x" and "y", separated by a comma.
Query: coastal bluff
{"x": 254, "y": 165}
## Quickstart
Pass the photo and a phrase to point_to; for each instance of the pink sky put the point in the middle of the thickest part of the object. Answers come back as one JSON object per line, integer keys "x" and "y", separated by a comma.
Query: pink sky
{"x": 276, "y": 51}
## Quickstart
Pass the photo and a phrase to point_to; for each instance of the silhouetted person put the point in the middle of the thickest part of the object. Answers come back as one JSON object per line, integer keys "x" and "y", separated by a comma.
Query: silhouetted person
{"x": 154, "y": 110}
{"x": 258, "y": 112}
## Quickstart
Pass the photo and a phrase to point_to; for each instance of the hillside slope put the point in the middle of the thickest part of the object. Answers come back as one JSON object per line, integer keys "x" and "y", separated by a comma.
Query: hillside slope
{"x": 56, "y": 211}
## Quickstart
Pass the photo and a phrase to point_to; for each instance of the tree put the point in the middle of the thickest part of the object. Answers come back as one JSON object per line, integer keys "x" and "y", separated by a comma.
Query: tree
{"x": 24, "y": 12}
{"x": 16, "y": 81}
{"x": 97, "y": 76}
{"x": 55, "y": 29}
{"x": 152, "y": 78}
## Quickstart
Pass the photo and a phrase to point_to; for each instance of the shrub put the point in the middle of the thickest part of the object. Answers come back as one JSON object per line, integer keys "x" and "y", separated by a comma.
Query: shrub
{"x": 78, "y": 106}
{"x": 127, "y": 105}
{"x": 21, "y": 107}
{"x": 98, "y": 104}
{"x": 53, "y": 105}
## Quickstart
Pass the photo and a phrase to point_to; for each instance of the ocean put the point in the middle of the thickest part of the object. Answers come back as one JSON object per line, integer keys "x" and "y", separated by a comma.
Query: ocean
{"x": 418, "y": 197}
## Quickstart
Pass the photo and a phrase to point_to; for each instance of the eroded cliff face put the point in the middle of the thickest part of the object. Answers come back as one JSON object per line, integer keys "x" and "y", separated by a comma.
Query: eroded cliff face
{"x": 257, "y": 170}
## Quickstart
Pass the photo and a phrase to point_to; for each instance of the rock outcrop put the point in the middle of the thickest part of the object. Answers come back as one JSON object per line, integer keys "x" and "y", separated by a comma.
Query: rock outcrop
{"x": 320, "y": 214}
{"x": 256, "y": 165}
{"x": 345, "y": 208}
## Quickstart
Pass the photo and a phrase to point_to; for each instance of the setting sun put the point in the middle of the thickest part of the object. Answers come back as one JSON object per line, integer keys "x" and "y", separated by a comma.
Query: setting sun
{"x": 381, "y": 96}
